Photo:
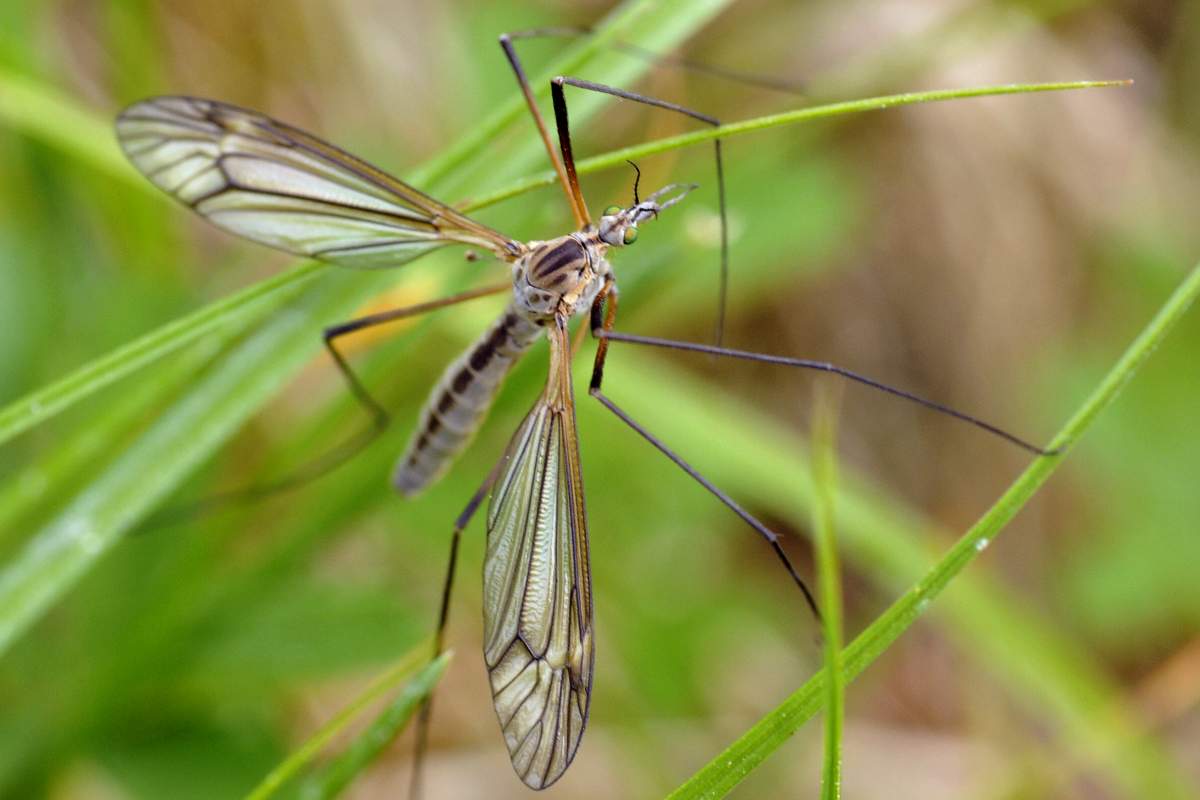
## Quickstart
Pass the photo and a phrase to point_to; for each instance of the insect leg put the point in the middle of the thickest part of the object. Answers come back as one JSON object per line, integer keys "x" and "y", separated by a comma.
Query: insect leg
{"x": 661, "y": 60}
{"x": 606, "y": 333}
{"x": 565, "y": 166}
{"x": 609, "y": 317}
{"x": 564, "y": 138}
{"x": 426, "y": 715}
{"x": 567, "y": 179}
{"x": 603, "y": 317}
{"x": 337, "y": 455}
{"x": 379, "y": 416}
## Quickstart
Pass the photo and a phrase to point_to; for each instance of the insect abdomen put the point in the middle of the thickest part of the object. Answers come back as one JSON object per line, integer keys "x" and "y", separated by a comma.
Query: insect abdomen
{"x": 460, "y": 400}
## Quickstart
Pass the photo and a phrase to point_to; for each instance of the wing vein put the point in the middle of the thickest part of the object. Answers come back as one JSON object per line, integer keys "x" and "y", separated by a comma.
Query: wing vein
{"x": 177, "y": 141}
{"x": 536, "y": 569}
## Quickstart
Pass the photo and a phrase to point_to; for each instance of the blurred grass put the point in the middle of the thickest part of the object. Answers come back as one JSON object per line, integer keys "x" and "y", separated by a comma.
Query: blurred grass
{"x": 57, "y": 555}
{"x": 182, "y": 661}
{"x": 420, "y": 675}
{"x": 375, "y": 739}
{"x": 824, "y": 437}
{"x": 1146, "y": 779}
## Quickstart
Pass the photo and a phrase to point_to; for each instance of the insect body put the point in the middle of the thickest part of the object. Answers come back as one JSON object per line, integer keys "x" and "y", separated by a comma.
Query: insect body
{"x": 278, "y": 185}
{"x": 275, "y": 184}
{"x": 552, "y": 279}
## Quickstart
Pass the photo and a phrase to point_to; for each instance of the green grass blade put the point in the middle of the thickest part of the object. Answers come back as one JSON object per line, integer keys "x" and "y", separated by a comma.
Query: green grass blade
{"x": 419, "y": 687}
{"x": 1039, "y": 667}
{"x": 145, "y": 473}
{"x": 43, "y": 112}
{"x": 386, "y": 727}
{"x": 76, "y": 455}
{"x": 477, "y": 139}
{"x": 830, "y": 591}
{"x": 222, "y": 320}
{"x": 618, "y": 158}
{"x": 54, "y": 557}
{"x": 225, "y": 314}
{"x": 752, "y": 748}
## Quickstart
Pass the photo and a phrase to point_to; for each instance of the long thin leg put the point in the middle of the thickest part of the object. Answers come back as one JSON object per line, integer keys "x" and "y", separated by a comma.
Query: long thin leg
{"x": 603, "y": 317}
{"x": 563, "y": 126}
{"x": 379, "y": 416}
{"x": 565, "y": 179}
{"x": 343, "y": 451}
{"x": 564, "y": 140}
{"x": 426, "y": 714}
{"x": 606, "y": 333}
{"x": 565, "y": 166}
{"x": 660, "y": 60}
{"x": 766, "y": 533}
{"x": 607, "y": 295}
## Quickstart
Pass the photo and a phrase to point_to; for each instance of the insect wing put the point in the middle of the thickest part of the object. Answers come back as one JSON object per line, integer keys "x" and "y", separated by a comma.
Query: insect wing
{"x": 275, "y": 184}
{"x": 537, "y": 589}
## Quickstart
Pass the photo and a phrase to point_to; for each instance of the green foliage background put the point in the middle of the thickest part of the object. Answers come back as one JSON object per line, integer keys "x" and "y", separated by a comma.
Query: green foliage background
{"x": 995, "y": 254}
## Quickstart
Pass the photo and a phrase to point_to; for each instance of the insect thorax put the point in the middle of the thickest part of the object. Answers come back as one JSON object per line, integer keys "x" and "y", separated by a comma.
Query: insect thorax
{"x": 560, "y": 275}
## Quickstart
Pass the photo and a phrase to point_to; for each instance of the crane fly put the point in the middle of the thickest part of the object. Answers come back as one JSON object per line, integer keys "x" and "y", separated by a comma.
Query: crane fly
{"x": 275, "y": 184}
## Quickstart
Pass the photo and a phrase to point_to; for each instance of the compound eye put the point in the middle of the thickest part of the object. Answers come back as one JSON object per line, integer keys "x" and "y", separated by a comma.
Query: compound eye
{"x": 612, "y": 210}
{"x": 630, "y": 235}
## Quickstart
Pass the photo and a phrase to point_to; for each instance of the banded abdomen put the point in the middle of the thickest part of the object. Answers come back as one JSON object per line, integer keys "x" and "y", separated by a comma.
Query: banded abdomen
{"x": 461, "y": 399}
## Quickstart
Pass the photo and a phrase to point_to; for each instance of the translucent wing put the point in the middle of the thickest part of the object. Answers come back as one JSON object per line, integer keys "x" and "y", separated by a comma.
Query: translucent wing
{"x": 537, "y": 591}
{"x": 275, "y": 184}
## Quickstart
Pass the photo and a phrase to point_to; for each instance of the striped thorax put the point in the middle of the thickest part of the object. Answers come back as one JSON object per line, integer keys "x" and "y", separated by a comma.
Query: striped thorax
{"x": 560, "y": 276}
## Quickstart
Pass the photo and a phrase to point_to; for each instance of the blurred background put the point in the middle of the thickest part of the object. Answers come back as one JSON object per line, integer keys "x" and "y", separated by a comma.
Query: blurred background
{"x": 995, "y": 254}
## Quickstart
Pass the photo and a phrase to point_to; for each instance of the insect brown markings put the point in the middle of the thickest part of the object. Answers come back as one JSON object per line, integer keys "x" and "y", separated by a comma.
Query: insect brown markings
{"x": 425, "y": 442}
{"x": 461, "y": 381}
{"x": 556, "y": 261}
{"x": 447, "y": 400}
{"x": 434, "y": 425}
{"x": 486, "y": 350}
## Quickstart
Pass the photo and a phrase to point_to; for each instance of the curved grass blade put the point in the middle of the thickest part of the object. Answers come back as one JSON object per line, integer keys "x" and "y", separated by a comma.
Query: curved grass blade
{"x": 618, "y": 158}
{"x": 829, "y": 578}
{"x": 77, "y": 454}
{"x": 386, "y": 727}
{"x": 729, "y": 768}
{"x": 419, "y": 686}
{"x": 44, "y": 403}
{"x": 223, "y": 320}
{"x": 44, "y": 112}
{"x": 175, "y": 444}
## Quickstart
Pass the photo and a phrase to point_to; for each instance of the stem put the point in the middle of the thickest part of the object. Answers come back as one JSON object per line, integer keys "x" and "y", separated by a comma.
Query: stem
{"x": 829, "y": 570}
